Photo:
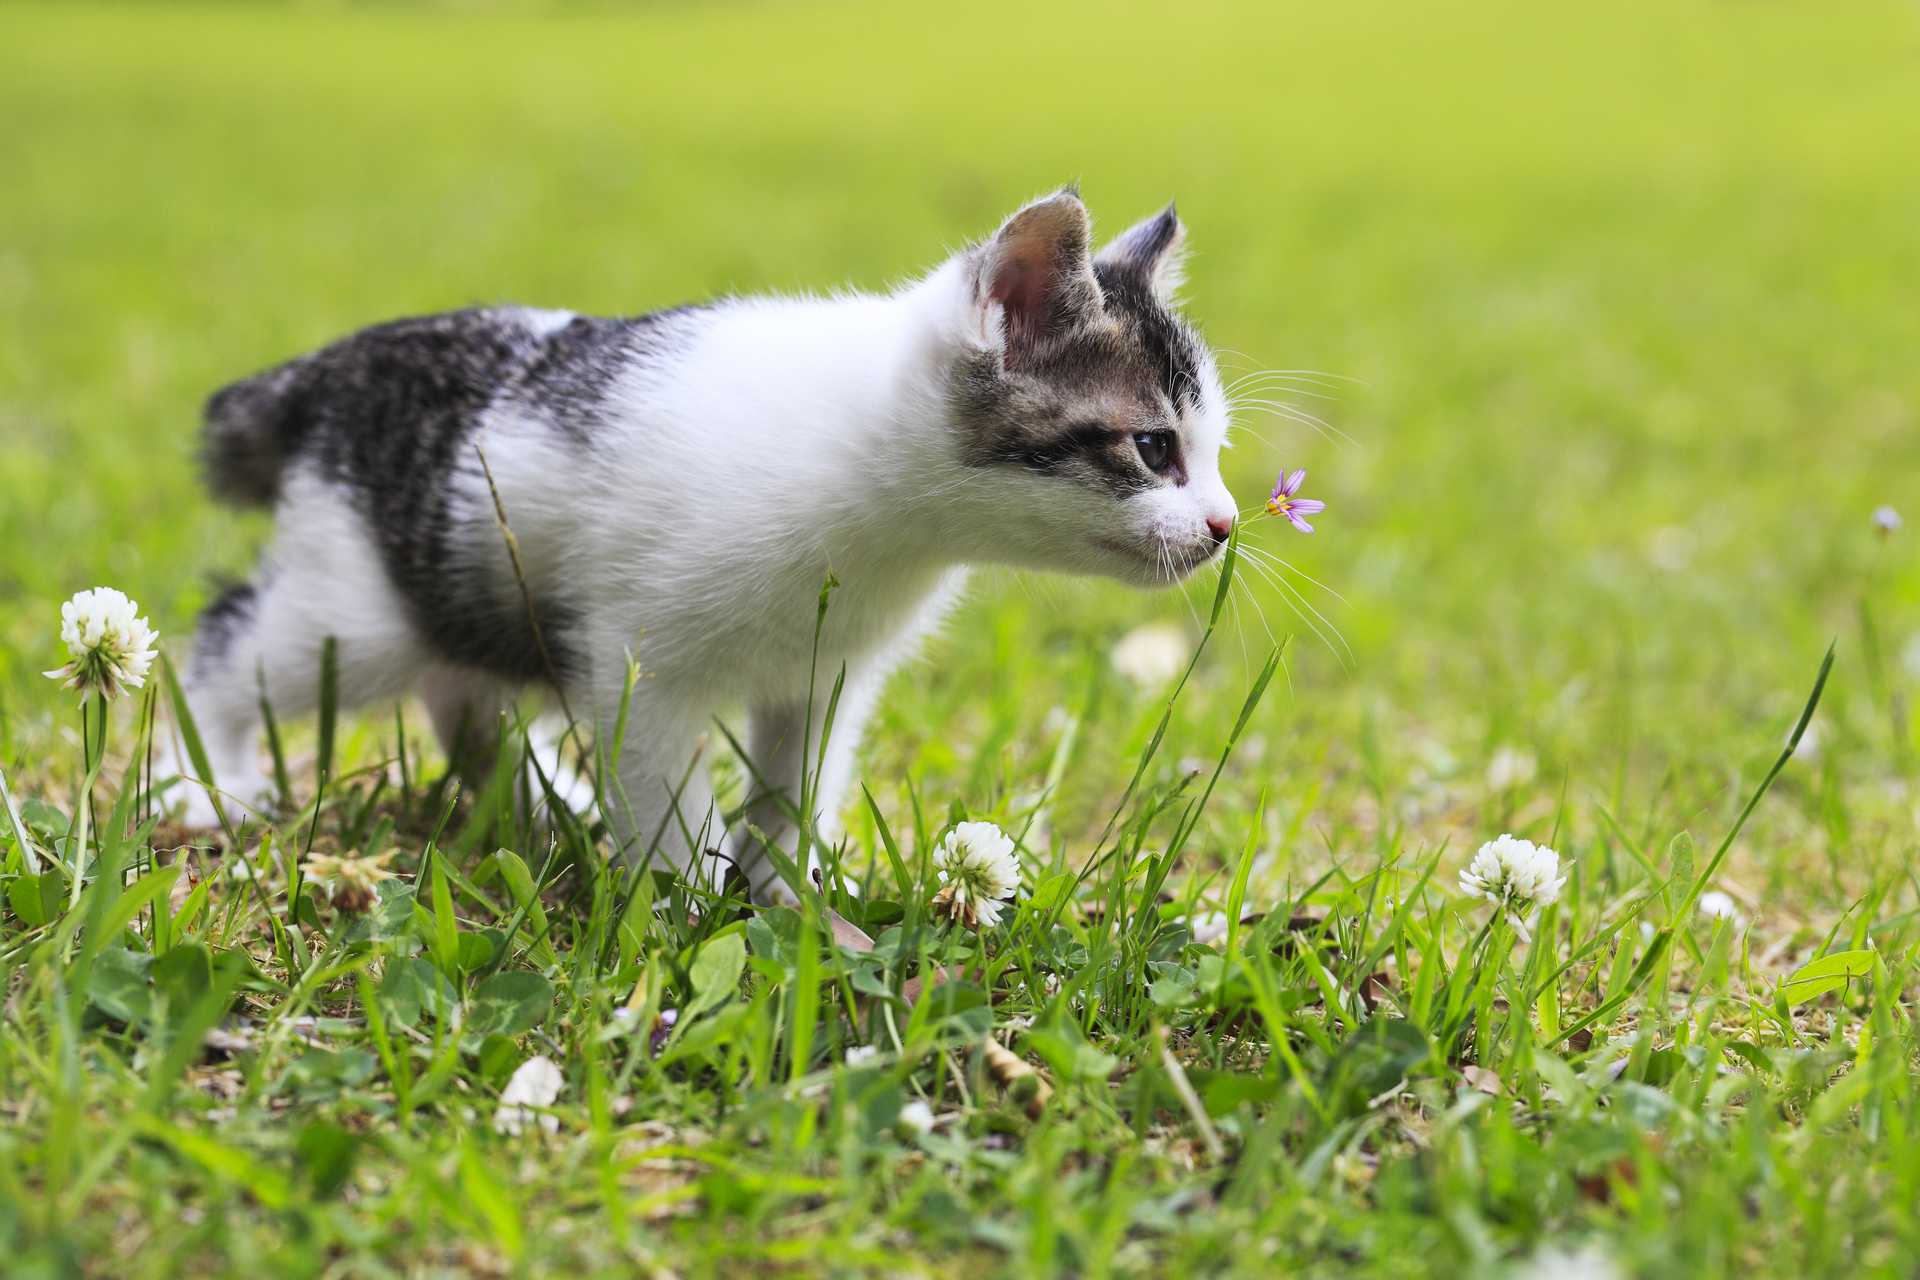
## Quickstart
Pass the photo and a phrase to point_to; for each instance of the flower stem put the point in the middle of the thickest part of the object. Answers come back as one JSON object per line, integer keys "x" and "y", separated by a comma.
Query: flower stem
{"x": 88, "y": 828}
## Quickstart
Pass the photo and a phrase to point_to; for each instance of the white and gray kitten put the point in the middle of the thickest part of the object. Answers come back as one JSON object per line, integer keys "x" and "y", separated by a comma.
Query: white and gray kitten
{"x": 679, "y": 486}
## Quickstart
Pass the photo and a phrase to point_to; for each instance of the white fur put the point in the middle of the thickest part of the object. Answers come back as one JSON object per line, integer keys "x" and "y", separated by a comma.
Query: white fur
{"x": 544, "y": 322}
{"x": 784, "y": 440}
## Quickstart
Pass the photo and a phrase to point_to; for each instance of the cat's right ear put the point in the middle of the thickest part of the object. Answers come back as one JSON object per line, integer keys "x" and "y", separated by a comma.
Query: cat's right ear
{"x": 1035, "y": 276}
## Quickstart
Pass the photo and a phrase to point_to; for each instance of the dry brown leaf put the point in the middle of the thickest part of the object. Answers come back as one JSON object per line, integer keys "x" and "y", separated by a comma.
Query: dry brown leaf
{"x": 847, "y": 933}
{"x": 1483, "y": 1079}
{"x": 910, "y": 989}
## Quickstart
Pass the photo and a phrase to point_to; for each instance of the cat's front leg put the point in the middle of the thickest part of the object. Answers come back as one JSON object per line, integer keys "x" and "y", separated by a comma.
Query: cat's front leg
{"x": 790, "y": 761}
{"x": 658, "y": 801}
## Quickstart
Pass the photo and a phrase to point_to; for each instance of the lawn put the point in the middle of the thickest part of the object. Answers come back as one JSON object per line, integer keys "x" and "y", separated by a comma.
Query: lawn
{"x": 1611, "y": 317}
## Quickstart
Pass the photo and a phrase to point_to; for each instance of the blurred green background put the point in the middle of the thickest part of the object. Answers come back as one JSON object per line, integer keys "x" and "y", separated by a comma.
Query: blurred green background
{"x": 1622, "y": 300}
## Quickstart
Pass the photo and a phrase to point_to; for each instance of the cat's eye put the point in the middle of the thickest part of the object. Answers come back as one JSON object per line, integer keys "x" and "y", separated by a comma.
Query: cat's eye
{"x": 1156, "y": 449}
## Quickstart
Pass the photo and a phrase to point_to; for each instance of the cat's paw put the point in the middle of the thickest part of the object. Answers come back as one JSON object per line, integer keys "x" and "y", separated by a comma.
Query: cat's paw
{"x": 188, "y": 801}
{"x": 571, "y": 786}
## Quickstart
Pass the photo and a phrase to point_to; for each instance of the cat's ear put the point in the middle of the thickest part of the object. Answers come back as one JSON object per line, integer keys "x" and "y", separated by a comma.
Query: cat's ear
{"x": 1155, "y": 249}
{"x": 1035, "y": 277}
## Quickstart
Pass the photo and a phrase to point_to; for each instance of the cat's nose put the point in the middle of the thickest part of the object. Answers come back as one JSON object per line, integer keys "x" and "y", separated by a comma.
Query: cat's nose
{"x": 1221, "y": 527}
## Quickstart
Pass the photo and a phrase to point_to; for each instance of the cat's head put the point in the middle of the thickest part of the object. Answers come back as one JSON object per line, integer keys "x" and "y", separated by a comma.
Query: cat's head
{"x": 1091, "y": 414}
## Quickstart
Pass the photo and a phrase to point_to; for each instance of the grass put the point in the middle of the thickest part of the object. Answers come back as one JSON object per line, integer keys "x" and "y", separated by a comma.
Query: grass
{"x": 1618, "y": 310}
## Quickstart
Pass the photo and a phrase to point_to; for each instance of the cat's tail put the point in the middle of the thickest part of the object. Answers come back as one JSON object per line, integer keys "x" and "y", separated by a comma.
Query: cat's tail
{"x": 249, "y": 428}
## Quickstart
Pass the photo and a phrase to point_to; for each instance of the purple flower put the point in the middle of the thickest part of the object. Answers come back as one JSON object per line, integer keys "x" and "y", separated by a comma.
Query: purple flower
{"x": 1283, "y": 503}
{"x": 1887, "y": 521}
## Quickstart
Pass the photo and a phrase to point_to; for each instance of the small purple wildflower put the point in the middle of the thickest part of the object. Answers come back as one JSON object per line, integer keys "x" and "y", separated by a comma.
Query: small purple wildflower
{"x": 1887, "y": 521}
{"x": 1283, "y": 503}
{"x": 663, "y": 1023}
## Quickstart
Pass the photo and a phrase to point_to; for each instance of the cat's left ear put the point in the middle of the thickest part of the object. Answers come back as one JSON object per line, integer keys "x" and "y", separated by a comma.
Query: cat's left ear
{"x": 1035, "y": 277}
{"x": 1155, "y": 249}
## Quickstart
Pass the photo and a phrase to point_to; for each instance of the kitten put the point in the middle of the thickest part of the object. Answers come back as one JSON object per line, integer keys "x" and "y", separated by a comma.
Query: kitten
{"x": 678, "y": 487}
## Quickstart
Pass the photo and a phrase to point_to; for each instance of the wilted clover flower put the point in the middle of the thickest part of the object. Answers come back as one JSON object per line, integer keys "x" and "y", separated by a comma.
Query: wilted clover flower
{"x": 352, "y": 881}
{"x": 109, "y": 647}
{"x": 1516, "y": 875}
{"x": 977, "y": 869}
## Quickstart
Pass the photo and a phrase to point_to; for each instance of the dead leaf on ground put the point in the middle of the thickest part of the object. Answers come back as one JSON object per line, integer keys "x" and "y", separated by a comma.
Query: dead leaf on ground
{"x": 1484, "y": 1079}
{"x": 847, "y": 933}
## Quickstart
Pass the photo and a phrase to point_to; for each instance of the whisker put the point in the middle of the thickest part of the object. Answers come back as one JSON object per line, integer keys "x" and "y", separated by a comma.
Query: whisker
{"x": 1280, "y": 562}
{"x": 1186, "y": 596}
{"x": 1296, "y": 414}
{"x": 1254, "y": 599}
{"x": 1287, "y": 385}
{"x": 1320, "y": 374}
{"x": 1253, "y": 602}
{"x": 1321, "y": 626}
{"x": 1256, "y": 433}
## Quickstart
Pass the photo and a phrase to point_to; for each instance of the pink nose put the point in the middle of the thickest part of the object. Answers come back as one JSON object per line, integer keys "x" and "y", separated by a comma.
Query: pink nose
{"x": 1221, "y": 527}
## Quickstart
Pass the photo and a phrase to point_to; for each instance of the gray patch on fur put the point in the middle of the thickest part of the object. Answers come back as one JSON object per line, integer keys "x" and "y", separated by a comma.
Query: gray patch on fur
{"x": 1085, "y": 387}
{"x": 389, "y": 415}
{"x": 231, "y": 611}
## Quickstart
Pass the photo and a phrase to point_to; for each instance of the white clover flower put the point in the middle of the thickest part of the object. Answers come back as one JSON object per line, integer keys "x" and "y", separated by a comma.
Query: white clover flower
{"x": 861, "y": 1054}
{"x": 1516, "y": 875}
{"x": 1208, "y": 927}
{"x": 1152, "y": 654}
{"x": 1715, "y": 905}
{"x": 534, "y": 1084}
{"x": 977, "y": 869}
{"x": 1887, "y": 521}
{"x": 1671, "y": 548}
{"x": 1510, "y": 768}
{"x": 1589, "y": 1263}
{"x": 109, "y": 646}
{"x": 916, "y": 1117}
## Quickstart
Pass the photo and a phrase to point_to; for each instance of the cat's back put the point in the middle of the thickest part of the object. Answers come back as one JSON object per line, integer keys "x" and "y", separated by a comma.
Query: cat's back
{"x": 400, "y": 399}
